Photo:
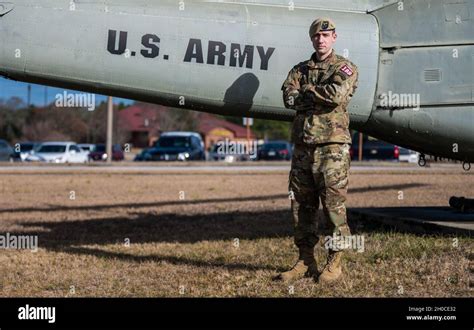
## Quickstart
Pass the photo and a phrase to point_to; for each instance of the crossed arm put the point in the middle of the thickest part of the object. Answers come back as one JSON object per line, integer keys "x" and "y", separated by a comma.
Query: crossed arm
{"x": 300, "y": 95}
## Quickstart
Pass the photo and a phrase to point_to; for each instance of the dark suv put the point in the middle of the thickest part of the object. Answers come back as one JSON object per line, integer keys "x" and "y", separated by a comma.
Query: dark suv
{"x": 373, "y": 149}
{"x": 175, "y": 146}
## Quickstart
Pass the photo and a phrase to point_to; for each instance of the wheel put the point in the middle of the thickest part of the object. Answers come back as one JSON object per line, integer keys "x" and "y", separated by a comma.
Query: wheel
{"x": 422, "y": 160}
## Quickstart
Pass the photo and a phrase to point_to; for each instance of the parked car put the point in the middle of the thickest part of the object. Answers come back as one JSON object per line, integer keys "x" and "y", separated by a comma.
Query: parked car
{"x": 407, "y": 155}
{"x": 175, "y": 146}
{"x": 87, "y": 147}
{"x": 58, "y": 152}
{"x": 218, "y": 155}
{"x": 6, "y": 152}
{"x": 275, "y": 150}
{"x": 24, "y": 149}
{"x": 373, "y": 149}
{"x": 99, "y": 153}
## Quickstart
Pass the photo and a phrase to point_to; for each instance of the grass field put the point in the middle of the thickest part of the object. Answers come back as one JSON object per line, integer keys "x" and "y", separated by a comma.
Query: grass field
{"x": 214, "y": 235}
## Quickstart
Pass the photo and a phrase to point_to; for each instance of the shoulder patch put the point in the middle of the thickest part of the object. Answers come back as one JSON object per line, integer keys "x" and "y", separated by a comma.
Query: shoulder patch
{"x": 347, "y": 70}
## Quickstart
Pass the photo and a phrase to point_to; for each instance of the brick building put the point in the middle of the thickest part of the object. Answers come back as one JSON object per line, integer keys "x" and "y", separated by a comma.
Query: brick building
{"x": 142, "y": 122}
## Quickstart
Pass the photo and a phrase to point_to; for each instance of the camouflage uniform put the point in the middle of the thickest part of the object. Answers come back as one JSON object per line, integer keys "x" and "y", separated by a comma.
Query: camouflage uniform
{"x": 320, "y": 92}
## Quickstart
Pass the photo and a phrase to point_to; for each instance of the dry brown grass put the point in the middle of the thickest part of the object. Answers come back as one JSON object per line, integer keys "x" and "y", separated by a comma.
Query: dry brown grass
{"x": 188, "y": 247}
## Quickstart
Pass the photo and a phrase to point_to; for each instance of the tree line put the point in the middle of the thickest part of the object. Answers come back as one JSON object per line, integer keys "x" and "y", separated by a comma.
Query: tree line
{"x": 19, "y": 122}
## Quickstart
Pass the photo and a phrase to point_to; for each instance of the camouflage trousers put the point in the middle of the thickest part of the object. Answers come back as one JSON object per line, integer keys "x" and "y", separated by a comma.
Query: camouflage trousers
{"x": 319, "y": 172}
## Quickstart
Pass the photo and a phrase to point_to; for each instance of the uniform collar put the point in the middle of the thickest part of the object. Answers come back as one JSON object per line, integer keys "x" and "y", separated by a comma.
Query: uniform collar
{"x": 314, "y": 63}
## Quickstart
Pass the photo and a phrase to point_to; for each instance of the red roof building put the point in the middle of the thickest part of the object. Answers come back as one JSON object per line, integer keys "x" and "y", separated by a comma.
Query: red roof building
{"x": 142, "y": 122}
{"x": 214, "y": 129}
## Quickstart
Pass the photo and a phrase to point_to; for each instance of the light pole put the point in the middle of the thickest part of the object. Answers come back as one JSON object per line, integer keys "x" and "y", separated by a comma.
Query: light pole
{"x": 110, "y": 118}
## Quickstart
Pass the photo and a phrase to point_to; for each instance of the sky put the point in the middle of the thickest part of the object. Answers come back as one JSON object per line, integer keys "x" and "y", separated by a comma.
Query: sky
{"x": 9, "y": 88}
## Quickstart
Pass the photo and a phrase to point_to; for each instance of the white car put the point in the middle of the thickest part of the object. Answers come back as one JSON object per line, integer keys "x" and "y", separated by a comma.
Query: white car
{"x": 407, "y": 155}
{"x": 87, "y": 147}
{"x": 59, "y": 152}
{"x": 25, "y": 149}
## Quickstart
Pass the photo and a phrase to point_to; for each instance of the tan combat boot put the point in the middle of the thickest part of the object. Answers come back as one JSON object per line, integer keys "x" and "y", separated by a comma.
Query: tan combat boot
{"x": 305, "y": 266}
{"x": 333, "y": 270}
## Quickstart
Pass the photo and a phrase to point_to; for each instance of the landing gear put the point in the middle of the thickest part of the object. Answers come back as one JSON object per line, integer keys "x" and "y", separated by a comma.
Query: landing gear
{"x": 422, "y": 160}
{"x": 466, "y": 166}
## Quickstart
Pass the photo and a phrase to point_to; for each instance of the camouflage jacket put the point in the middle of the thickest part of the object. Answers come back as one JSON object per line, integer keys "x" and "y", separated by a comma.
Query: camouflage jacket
{"x": 320, "y": 93}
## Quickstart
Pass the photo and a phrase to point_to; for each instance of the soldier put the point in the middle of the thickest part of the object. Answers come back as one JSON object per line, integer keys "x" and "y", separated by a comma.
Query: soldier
{"x": 320, "y": 90}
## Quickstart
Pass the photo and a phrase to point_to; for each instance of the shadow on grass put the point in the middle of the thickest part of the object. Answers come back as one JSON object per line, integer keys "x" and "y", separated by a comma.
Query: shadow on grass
{"x": 163, "y": 228}
{"x": 141, "y": 228}
{"x": 100, "y": 207}
{"x": 168, "y": 259}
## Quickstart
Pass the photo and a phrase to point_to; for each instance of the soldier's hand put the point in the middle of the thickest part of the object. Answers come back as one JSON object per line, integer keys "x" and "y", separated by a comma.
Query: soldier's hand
{"x": 304, "y": 102}
{"x": 307, "y": 91}
{"x": 305, "y": 88}
{"x": 303, "y": 105}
